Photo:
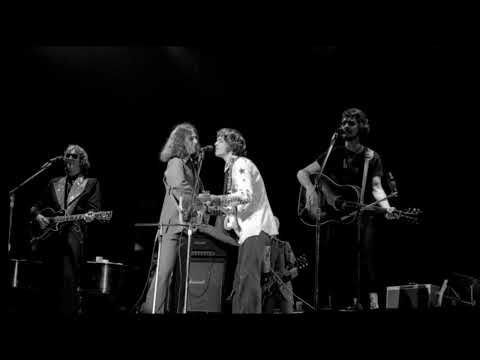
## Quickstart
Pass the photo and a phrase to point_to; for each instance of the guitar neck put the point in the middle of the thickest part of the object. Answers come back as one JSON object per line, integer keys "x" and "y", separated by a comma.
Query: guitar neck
{"x": 228, "y": 200}
{"x": 67, "y": 218}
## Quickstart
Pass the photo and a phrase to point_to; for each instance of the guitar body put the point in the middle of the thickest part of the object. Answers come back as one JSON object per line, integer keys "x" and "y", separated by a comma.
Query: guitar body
{"x": 231, "y": 219}
{"x": 335, "y": 203}
{"x": 193, "y": 212}
{"x": 216, "y": 207}
{"x": 52, "y": 229}
{"x": 273, "y": 281}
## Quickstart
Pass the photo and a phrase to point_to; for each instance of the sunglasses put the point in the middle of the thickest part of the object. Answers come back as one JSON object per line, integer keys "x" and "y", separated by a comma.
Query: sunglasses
{"x": 71, "y": 156}
{"x": 349, "y": 123}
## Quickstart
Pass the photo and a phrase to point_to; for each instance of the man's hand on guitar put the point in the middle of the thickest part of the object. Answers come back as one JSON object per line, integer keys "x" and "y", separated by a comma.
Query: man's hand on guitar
{"x": 42, "y": 221}
{"x": 89, "y": 217}
{"x": 390, "y": 214}
{"x": 209, "y": 200}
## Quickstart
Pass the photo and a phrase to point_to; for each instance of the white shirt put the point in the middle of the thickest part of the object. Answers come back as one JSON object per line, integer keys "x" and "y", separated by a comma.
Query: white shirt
{"x": 254, "y": 212}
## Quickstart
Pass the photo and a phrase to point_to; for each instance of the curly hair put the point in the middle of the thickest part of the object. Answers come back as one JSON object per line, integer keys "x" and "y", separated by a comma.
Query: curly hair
{"x": 175, "y": 145}
{"x": 235, "y": 141}
{"x": 83, "y": 157}
{"x": 361, "y": 118}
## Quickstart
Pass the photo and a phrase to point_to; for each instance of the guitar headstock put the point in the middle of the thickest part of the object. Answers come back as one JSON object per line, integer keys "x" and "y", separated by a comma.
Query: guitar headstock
{"x": 104, "y": 215}
{"x": 410, "y": 215}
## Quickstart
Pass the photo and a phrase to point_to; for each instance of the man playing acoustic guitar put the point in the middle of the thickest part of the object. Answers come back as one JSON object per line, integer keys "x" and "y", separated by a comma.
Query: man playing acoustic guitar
{"x": 347, "y": 165}
{"x": 62, "y": 248}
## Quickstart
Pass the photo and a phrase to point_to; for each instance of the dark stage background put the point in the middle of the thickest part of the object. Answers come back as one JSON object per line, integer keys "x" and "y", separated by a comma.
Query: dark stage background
{"x": 120, "y": 104}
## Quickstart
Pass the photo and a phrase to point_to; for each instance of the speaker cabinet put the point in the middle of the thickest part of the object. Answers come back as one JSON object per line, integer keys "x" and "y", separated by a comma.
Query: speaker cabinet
{"x": 206, "y": 288}
{"x": 413, "y": 296}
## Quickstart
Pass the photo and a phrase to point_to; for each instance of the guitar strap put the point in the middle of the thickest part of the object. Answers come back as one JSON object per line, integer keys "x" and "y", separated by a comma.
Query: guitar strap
{"x": 365, "y": 172}
{"x": 227, "y": 183}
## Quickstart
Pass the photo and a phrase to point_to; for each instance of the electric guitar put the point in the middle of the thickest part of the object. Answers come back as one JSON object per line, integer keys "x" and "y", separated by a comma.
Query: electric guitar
{"x": 340, "y": 203}
{"x": 223, "y": 206}
{"x": 57, "y": 219}
{"x": 274, "y": 281}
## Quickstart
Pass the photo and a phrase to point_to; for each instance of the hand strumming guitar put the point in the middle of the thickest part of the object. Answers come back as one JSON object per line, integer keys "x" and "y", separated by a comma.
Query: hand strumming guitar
{"x": 89, "y": 217}
{"x": 390, "y": 214}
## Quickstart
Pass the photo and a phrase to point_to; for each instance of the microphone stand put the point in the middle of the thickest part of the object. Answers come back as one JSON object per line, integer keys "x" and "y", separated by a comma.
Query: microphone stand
{"x": 12, "y": 200}
{"x": 201, "y": 155}
{"x": 317, "y": 228}
{"x": 159, "y": 251}
{"x": 189, "y": 238}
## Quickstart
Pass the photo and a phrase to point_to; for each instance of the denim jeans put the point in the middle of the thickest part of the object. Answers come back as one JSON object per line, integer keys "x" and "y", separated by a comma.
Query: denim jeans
{"x": 247, "y": 296}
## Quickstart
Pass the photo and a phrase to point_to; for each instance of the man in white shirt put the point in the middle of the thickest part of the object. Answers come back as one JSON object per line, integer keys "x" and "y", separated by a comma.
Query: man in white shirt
{"x": 249, "y": 214}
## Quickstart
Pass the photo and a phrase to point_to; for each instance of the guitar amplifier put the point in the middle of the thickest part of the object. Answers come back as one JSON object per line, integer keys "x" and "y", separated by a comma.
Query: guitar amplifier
{"x": 206, "y": 286}
{"x": 211, "y": 275}
{"x": 205, "y": 246}
{"x": 412, "y": 296}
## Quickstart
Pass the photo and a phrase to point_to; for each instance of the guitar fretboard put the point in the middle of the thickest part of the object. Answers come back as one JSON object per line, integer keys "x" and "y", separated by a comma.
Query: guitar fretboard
{"x": 228, "y": 200}
{"x": 67, "y": 218}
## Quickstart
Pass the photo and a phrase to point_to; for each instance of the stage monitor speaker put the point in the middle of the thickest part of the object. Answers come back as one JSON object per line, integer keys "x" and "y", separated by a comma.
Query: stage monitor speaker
{"x": 413, "y": 296}
{"x": 206, "y": 288}
{"x": 461, "y": 290}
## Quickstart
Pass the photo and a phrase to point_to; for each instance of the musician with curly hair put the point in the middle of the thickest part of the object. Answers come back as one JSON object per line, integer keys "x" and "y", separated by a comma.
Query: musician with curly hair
{"x": 62, "y": 250}
{"x": 350, "y": 163}
{"x": 181, "y": 181}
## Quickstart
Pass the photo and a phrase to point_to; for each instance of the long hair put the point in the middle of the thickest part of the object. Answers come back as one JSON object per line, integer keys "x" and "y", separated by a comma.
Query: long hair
{"x": 235, "y": 141}
{"x": 361, "y": 118}
{"x": 83, "y": 157}
{"x": 175, "y": 145}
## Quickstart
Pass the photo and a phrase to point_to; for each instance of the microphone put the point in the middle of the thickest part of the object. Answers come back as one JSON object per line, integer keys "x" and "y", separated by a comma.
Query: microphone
{"x": 55, "y": 159}
{"x": 208, "y": 148}
{"x": 52, "y": 161}
{"x": 391, "y": 182}
{"x": 340, "y": 130}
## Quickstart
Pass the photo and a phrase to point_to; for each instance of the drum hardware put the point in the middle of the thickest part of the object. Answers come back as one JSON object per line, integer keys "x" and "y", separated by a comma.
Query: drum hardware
{"x": 24, "y": 274}
{"x": 101, "y": 276}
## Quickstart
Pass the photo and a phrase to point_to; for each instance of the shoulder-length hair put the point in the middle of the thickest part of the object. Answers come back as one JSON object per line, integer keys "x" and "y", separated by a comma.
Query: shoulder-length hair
{"x": 83, "y": 157}
{"x": 175, "y": 145}
{"x": 235, "y": 140}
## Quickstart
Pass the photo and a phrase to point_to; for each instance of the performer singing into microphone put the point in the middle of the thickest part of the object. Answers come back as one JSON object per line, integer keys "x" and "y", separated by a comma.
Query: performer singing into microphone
{"x": 180, "y": 182}
{"x": 249, "y": 215}
{"x": 75, "y": 193}
{"x": 345, "y": 166}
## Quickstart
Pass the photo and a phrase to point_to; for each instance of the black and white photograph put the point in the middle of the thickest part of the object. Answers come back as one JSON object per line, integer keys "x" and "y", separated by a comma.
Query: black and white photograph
{"x": 224, "y": 181}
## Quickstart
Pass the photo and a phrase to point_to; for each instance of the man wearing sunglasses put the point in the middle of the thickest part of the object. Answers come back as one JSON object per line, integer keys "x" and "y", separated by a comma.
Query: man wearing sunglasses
{"x": 347, "y": 165}
{"x": 71, "y": 194}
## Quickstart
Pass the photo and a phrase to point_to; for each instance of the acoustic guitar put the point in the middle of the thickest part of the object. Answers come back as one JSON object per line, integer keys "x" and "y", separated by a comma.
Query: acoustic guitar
{"x": 340, "y": 203}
